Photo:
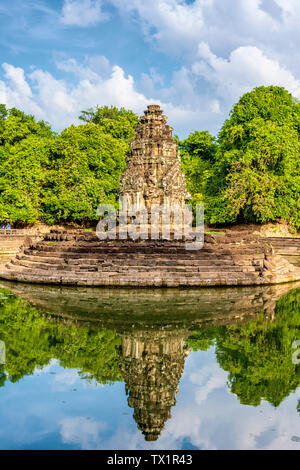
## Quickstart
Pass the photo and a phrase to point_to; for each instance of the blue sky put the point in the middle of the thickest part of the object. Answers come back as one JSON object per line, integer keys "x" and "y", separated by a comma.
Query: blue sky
{"x": 194, "y": 58}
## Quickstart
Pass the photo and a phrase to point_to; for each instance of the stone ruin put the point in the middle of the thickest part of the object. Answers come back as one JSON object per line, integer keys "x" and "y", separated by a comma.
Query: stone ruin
{"x": 153, "y": 174}
{"x": 153, "y": 177}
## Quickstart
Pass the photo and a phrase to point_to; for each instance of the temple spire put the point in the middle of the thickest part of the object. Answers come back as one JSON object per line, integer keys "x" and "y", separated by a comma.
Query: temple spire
{"x": 153, "y": 174}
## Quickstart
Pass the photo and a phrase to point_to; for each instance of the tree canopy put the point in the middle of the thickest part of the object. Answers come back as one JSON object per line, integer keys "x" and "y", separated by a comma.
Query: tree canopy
{"x": 61, "y": 178}
{"x": 256, "y": 173}
{"x": 85, "y": 165}
{"x": 197, "y": 158}
{"x": 24, "y": 160}
{"x": 249, "y": 173}
{"x": 120, "y": 123}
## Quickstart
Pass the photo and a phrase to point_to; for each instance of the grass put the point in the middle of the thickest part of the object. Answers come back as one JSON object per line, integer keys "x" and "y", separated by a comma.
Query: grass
{"x": 215, "y": 233}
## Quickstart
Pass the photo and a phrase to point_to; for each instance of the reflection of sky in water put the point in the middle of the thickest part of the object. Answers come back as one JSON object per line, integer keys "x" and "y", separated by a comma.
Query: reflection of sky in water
{"x": 55, "y": 409}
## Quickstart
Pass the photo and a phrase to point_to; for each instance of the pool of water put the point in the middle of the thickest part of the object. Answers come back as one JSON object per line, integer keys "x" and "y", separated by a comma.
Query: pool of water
{"x": 149, "y": 369}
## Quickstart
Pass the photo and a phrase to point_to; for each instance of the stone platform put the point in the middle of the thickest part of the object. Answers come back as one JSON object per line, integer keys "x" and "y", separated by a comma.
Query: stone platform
{"x": 11, "y": 240}
{"x": 79, "y": 258}
{"x": 285, "y": 246}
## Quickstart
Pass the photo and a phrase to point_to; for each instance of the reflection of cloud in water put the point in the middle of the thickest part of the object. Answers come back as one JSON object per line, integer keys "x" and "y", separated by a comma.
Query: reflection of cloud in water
{"x": 208, "y": 379}
{"x": 217, "y": 421}
{"x": 82, "y": 431}
{"x": 63, "y": 380}
{"x": 221, "y": 422}
{"x": 46, "y": 369}
{"x": 207, "y": 414}
{"x": 67, "y": 377}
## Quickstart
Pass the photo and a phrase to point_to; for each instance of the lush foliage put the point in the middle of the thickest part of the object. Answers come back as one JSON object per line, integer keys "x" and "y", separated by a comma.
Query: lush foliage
{"x": 255, "y": 170}
{"x": 120, "y": 123}
{"x": 24, "y": 160}
{"x": 251, "y": 173}
{"x": 85, "y": 167}
{"x": 61, "y": 178}
{"x": 197, "y": 161}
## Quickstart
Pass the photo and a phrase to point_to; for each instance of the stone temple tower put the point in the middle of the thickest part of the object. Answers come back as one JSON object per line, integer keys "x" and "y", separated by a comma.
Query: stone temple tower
{"x": 153, "y": 174}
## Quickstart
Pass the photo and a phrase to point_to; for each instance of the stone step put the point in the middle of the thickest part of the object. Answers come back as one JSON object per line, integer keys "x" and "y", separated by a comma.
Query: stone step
{"x": 186, "y": 258}
{"x": 66, "y": 249}
{"x": 106, "y": 267}
{"x": 114, "y": 267}
{"x": 117, "y": 281}
{"x": 50, "y": 262}
{"x": 146, "y": 276}
{"x": 130, "y": 259}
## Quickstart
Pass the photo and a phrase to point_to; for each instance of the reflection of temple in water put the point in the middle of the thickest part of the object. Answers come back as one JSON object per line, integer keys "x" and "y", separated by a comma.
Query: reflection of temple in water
{"x": 153, "y": 327}
{"x": 152, "y": 364}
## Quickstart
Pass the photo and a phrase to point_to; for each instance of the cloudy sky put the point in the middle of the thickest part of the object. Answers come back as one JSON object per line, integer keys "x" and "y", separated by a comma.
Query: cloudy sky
{"x": 194, "y": 57}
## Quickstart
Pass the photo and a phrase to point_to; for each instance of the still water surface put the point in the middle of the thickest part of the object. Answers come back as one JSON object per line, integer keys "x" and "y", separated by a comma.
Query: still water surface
{"x": 149, "y": 369}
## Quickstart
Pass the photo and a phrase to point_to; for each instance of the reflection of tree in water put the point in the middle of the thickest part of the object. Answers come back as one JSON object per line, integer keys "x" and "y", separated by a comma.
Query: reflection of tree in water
{"x": 150, "y": 362}
{"x": 32, "y": 341}
{"x": 257, "y": 353}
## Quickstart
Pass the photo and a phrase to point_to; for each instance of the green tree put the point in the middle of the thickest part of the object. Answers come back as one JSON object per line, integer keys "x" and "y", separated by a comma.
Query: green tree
{"x": 24, "y": 159}
{"x": 197, "y": 159}
{"x": 120, "y": 123}
{"x": 86, "y": 164}
{"x": 256, "y": 175}
{"x": 3, "y": 112}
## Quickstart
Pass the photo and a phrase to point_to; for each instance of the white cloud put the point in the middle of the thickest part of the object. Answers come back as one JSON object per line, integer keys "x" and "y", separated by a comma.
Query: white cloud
{"x": 222, "y": 49}
{"x": 82, "y": 431}
{"x": 177, "y": 27}
{"x": 98, "y": 83}
{"x": 59, "y": 101}
{"x": 16, "y": 77}
{"x": 198, "y": 98}
{"x": 15, "y": 91}
{"x": 246, "y": 68}
{"x": 82, "y": 12}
